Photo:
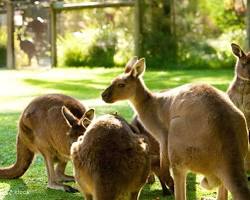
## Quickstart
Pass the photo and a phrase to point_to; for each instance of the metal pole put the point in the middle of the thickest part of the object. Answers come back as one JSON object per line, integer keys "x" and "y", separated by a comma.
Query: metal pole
{"x": 138, "y": 37}
{"x": 248, "y": 24}
{"x": 53, "y": 35}
{"x": 10, "y": 36}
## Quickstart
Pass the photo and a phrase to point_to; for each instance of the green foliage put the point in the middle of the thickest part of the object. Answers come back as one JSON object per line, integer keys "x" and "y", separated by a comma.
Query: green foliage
{"x": 224, "y": 15}
{"x": 102, "y": 51}
{"x": 205, "y": 30}
{"x": 99, "y": 51}
{"x": 189, "y": 35}
{"x": 159, "y": 44}
{"x": 3, "y": 42}
{"x": 71, "y": 51}
{"x": 106, "y": 40}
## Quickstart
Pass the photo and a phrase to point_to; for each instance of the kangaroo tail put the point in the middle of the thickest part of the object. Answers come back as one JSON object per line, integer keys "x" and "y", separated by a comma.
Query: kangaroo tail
{"x": 23, "y": 161}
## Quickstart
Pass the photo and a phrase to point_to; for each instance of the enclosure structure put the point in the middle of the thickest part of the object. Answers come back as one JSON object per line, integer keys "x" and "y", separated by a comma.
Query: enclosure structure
{"x": 56, "y": 7}
{"x": 10, "y": 35}
{"x": 16, "y": 14}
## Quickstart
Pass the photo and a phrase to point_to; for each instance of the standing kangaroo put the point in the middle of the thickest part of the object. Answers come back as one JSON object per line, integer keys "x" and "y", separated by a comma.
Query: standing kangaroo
{"x": 110, "y": 161}
{"x": 239, "y": 89}
{"x": 154, "y": 150}
{"x": 43, "y": 129}
{"x": 197, "y": 126}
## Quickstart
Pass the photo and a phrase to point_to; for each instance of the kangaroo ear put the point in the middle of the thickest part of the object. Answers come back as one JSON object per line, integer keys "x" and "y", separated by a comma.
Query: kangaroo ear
{"x": 89, "y": 114}
{"x": 68, "y": 116}
{"x": 130, "y": 64}
{"x": 134, "y": 129}
{"x": 237, "y": 50}
{"x": 138, "y": 68}
{"x": 86, "y": 122}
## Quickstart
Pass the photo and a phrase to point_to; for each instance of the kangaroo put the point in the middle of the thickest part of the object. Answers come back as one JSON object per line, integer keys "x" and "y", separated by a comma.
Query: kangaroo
{"x": 43, "y": 129}
{"x": 198, "y": 129}
{"x": 110, "y": 161}
{"x": 239, "y": 89}
{"x": 154, "y": 150}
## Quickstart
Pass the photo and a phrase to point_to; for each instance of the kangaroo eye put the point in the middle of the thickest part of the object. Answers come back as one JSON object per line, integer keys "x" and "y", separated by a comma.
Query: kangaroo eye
{"x": 121, "y": 85}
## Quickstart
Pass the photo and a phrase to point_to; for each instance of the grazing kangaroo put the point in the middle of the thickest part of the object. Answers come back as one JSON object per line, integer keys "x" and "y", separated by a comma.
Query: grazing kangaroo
{"x": 43, "y": 129}
{"x": 239, "y": 89}
{"x": 110, "y": 161}
{"x": 154, "y": 150}
{"x": 197, "y": 126}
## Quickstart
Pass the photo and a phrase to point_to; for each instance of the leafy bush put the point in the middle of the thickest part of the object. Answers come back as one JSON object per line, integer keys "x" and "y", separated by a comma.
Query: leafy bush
{"x": 72, "y": 49}
{"x": 205, "y": 30}
{"x": 194, "y": 34}
{"x": 211, "y": 52}
{"x": 103, "y": 37}
{"x": 99, "y": 51}
{"x": 102, "y": 50}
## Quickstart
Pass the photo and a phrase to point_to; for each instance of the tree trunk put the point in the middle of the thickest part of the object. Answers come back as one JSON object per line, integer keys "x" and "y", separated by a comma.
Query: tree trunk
{"x": 159, "y": 37}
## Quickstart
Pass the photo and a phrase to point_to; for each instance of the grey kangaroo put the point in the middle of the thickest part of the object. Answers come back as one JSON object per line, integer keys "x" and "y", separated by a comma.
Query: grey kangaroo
{"x": 43, "y": 129}
{"x": 198, "y": 129}
{"x": 110, "y": 161}
{"x": 239, "y": 89}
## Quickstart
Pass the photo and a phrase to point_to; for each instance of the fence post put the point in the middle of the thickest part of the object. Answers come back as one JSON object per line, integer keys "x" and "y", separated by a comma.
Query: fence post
{"x": 138, "y": 37}
{"x": 53, "y": 35}
{"x": 10, "y": 36}
{"x": 248, "y": 24}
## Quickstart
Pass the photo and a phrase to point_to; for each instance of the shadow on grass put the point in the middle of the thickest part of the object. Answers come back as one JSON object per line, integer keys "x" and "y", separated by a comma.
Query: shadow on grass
{"x": 149, "y": 192}
{"x": 164, "y": 80}
{"x": 155, "y": 80}
{"x": 18, "y": 189}
{"x": 79, "y": 89}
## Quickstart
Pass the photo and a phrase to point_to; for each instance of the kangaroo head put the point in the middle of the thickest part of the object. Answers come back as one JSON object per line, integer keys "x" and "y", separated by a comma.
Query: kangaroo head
{"x": 243, "y": 62}
{"x": 77, "y": 126}
{"x": 124, "y": 86}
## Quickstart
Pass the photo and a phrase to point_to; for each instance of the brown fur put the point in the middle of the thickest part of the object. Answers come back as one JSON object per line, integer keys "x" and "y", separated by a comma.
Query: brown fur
{"x": 110, "y": 161}
{"x": 198, "y": 128}
{"x": 154, "y": 150}
{"x": 239, "y": 89}
{"x": 43, "y": 129}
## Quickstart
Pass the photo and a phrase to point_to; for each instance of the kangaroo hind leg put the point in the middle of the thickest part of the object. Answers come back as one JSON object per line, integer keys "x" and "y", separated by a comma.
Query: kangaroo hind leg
{"x": 52, "y": 182}
{"x": 60, "y": 172}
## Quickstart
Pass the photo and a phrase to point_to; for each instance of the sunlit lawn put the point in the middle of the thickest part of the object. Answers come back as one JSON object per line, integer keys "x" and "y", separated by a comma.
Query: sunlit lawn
{"x": 19, "y": 87}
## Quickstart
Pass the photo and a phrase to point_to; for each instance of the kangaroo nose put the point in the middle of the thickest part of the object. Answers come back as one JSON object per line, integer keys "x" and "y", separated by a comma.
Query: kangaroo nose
{"x": 104, "y": 94}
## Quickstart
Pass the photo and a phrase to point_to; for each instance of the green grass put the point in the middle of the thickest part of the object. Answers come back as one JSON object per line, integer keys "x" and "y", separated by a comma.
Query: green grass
{"x": 19, "y": 87}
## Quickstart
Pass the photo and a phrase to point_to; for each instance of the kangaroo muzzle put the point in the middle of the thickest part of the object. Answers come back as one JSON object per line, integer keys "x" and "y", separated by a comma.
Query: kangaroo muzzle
{"x": 107, "y": 95}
